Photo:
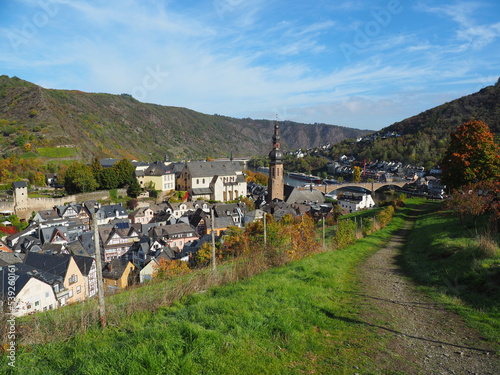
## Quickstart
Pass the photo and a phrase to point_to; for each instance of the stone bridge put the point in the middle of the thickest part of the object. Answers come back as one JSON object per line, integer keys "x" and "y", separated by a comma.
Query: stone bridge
{"x": 371, "y": 186}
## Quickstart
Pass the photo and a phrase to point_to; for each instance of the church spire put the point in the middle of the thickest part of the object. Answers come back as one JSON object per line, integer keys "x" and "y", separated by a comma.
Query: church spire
{"x": 276, "y": 181}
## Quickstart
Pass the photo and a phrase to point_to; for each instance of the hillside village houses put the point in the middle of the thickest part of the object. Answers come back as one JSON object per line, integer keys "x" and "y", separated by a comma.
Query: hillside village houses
{"x": 53, "y": 259}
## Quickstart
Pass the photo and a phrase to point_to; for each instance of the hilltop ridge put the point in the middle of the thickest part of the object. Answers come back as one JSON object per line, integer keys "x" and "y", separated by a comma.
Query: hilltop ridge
{"x": 423, "y": 138}
{"x": 107, "y": 125}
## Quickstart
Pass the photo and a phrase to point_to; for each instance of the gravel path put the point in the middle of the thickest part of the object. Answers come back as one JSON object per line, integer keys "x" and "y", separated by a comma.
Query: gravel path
{"x": 424, "y": 338}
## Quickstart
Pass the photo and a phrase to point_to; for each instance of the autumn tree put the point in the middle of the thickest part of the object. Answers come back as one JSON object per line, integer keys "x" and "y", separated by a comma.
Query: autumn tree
{"x": 472, "y": 156}
{"x": 475, "y": 200}
{"x": 170, "y": 269}
{"x": 356, "y": 174}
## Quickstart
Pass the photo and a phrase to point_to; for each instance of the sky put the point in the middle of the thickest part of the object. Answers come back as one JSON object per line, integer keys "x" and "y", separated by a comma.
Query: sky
{"x": 358, "y": 63}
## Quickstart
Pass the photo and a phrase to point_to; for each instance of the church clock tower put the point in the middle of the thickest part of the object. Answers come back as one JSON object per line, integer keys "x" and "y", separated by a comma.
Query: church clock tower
{"x": 276, "y": 185}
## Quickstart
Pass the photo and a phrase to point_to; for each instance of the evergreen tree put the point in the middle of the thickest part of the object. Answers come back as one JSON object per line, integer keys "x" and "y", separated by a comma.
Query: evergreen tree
{"x": 134, "y": 189}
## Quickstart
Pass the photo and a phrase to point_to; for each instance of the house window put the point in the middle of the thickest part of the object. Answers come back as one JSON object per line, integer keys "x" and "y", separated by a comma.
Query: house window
{"x": 70, "y": 294}
{"x": 37, "y": 303}
{"x": 73, "y": 279}
{"x": 78, "y": 289}
{"x": 56, "y": 288}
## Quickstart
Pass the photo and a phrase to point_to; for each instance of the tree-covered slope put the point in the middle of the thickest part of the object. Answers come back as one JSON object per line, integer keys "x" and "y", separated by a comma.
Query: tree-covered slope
{"x": 120, "y": 126}
{"x": 423, "y": 138}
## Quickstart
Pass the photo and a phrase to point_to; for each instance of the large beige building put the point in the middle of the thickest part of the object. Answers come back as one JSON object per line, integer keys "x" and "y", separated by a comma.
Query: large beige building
{"x": 213, "y": 180}
{"x": 157, "y": 173}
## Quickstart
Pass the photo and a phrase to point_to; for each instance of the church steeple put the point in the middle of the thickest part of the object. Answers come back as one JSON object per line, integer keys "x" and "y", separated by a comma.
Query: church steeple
{"x": 276, "y": 184}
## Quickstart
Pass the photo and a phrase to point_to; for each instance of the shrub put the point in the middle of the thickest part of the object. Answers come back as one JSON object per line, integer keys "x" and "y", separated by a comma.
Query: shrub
{"x": 345, "y": 234}
{"x": 385, "y": 216}
{"x": 485, "y": 248}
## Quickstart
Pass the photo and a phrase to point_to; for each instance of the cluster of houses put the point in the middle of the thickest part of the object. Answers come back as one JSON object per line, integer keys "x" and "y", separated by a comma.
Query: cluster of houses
{"x": 53, "y": 259}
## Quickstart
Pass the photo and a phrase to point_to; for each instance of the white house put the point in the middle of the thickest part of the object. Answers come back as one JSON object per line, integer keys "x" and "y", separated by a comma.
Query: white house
{"x": 355, "y": 202}
{"x": 30, "y": 293}
{"x": 213, "y": 180}
{"x": 147, "y": 273}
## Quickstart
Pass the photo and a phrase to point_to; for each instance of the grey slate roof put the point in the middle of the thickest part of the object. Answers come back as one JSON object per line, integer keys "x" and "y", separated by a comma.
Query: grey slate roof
{"x": 21, "y": 279}
{"x": 294, "y": 195}
{"x": 212, "y": 168}
{"x": 115, "y": 268}
{"x": 10, "y": 258}
{"x": 56, "y": 264}
{"x": 84, "y": 263}
{"x": 46, "y": 276}
{"x": 19, "y": 184}
{"x": 157, "y": 169}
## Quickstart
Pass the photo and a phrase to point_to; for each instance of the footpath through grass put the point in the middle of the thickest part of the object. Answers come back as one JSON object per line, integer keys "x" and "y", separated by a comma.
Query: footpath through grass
{"x": 458, "y": 265}
{"x": 300, "y": 318}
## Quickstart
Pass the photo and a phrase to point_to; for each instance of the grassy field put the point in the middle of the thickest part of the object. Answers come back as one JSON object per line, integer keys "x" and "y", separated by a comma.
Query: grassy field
{"x": 300, "y": 318}
{"x": 57, "y": 152}
{"x": 458, "y": 265}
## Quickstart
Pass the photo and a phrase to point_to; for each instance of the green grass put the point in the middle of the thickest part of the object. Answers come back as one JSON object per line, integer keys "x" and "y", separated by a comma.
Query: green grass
{"x": 449, "y": 263}
{"x": 28, "y": 155}
{"x": 57, "y": 152}
{"x": 300, "y": 318}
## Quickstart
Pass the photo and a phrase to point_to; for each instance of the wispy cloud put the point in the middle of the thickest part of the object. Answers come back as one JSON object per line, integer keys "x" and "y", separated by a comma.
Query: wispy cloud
{"x": 248, "y": 58}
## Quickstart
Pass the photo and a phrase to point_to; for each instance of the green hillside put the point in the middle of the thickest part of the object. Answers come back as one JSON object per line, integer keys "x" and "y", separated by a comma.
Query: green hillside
{"x": 422, "y": 139}
{"x": 106, "y": 125}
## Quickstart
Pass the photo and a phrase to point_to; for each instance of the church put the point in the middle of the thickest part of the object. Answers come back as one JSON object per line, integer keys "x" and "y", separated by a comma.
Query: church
{"x": 277, "y": 189}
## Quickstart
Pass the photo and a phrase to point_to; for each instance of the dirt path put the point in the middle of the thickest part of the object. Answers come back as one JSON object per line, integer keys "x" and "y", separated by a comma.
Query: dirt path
{"x": 424, "y": 338}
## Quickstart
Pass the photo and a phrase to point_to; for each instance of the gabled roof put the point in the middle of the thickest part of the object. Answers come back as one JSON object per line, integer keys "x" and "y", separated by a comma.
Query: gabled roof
{"x": 55, "y": 264}
{"x": 212, "y": 168}
{"x": 108, "y": 162}
{"x": 49, "y": 234}
{"x": 170, "y": 230}
{"x": 115, "y": 268}
{"x": 48, "y": 214}
{"x": 111, "y": 211}
{"x": 158, "y": 168}
{"x": 19, "y": 184}
{"x": 84, "y": 263}
{"x": 10, "y": 258}
{"x": 295, "y": 195}
{"x": 221, "y": 222}
{"x": 48, "y": 277}
{"x": 21, "y": 279}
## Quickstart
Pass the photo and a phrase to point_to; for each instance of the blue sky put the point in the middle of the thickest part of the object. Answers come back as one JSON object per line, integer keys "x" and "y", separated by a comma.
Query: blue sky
{"x": 357, "y": 63}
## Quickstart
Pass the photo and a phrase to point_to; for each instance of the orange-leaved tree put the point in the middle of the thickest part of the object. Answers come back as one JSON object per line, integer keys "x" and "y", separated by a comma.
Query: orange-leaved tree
{"x": 472, "y": 156}
{"x": 169, "y": 269}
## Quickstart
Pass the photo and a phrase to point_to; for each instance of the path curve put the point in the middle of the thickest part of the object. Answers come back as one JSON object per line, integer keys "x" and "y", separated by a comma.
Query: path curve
{"x": 423, "y": 337}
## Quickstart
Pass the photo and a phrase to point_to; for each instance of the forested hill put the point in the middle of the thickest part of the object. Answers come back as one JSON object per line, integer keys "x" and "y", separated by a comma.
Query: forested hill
{"x": 106, "y": 125}
{"x": 422, "y": 139}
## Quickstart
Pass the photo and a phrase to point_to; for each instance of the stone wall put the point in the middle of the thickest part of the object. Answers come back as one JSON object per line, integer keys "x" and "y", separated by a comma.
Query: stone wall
{"x": 37, "y": 204}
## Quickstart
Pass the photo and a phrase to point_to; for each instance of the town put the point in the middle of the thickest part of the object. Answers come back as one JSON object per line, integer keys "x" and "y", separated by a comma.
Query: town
{"x": 55, "y": 255}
